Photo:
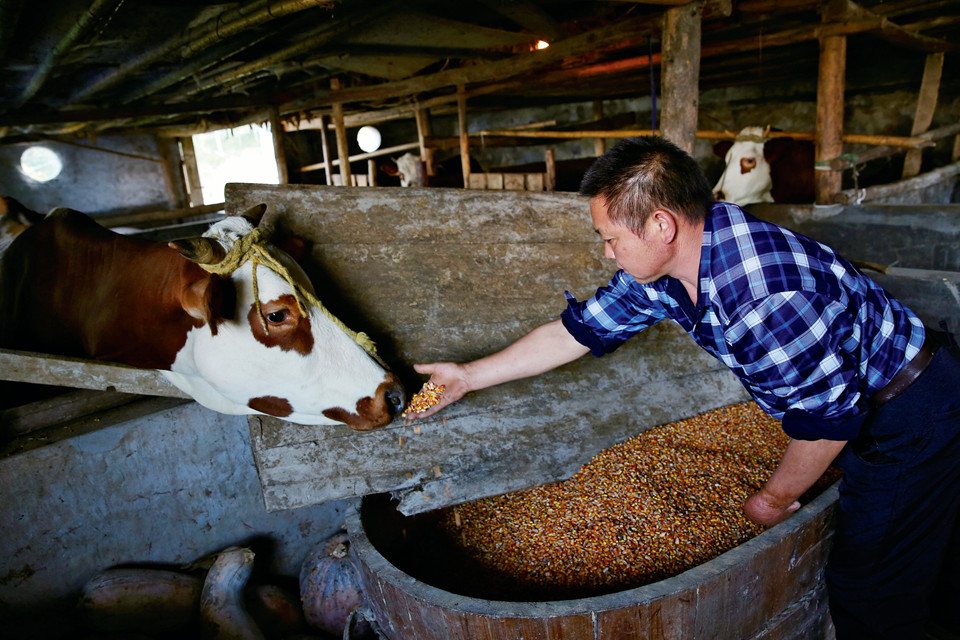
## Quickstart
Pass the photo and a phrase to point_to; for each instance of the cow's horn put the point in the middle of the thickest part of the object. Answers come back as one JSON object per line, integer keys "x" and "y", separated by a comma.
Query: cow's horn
{"x": 254, "y": 214}
{"x": 200, "y": 250}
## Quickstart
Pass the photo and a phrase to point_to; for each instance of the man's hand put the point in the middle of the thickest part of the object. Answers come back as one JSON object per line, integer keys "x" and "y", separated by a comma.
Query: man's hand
{"x": 765, "y": 509}
{"x": 452, "y": 376}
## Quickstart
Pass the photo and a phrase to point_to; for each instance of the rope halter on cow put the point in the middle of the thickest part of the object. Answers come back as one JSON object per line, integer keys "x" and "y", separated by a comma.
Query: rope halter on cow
{"x": 254, "y": 247}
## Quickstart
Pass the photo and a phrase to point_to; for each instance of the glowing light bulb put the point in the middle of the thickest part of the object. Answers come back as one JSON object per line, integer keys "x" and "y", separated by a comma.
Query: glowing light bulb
{"x": 40, "y": 164}
{"x": 542, "y": 44}
{"x": 368, "y": 138}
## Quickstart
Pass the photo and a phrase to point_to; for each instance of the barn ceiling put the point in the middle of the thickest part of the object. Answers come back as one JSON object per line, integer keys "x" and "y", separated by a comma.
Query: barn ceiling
{"x": 82, "y": 67}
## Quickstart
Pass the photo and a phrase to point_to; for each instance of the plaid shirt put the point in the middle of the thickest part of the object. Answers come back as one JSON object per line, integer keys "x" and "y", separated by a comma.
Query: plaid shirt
{"x": 809, "y": 336}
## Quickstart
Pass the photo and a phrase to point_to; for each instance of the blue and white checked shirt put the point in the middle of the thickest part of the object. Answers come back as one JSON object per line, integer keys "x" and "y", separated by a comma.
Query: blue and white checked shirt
{"x": 808, "y": 335}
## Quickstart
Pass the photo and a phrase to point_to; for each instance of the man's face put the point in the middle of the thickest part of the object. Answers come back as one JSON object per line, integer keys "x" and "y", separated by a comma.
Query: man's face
{"x": 644, "y": 257}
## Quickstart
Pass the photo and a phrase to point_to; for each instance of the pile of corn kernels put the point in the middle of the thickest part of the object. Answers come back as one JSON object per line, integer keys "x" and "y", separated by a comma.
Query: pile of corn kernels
{"x": 428, "y": 396}
{"x": 645, "y": 509}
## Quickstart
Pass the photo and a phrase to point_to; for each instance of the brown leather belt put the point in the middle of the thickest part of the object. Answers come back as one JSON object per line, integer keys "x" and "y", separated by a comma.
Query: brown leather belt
{"x": 907, "y": 374}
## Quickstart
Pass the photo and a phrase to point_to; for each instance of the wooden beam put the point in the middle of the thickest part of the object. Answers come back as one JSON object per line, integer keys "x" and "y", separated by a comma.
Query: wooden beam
{"x": 550, "y": 160}
{"x": 829, "y": 138}
{"x": 706, "y": 134}
{"x": 681, "y": 74}
{"x": 133, "y": 219}
{"x": 845, "y": 11}
{"x": 173, "y": 175}
{"x": 422, "y": 117}
{"x": 386, "y": 151}
{"x": 310, "y": 41}
{"x": 58, "y": 410}
{"x": 325, "y": 145}
{"x": 598, "y": 144}
{"x": 343, "y": 150}
{"x": 529, "y": 16}
{"x": 926, "y": 106}
{"x": 88, "y": 19}
{"x": 624, "y": 31}
{"x": 193, "y": 39}
{"x": 869, "y": 194}
{"x": 191, "y": 171}
{"x": 464, "y": 137}
{"x": 85, "y": 116}
{"x": 40, "y": 368}
{"x": 276, "y": 134}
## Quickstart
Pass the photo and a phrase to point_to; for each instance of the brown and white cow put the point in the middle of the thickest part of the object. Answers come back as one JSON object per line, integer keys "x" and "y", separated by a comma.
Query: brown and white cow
{"x": 760, "y": 168}
{"x": 70, "y": 287}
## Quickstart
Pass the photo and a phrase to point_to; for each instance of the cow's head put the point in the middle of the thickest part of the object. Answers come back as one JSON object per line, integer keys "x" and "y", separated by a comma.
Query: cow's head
{"x": 409, "y": 168}
{"x": 282, "y": 353}
{"x": 746, "y": 177}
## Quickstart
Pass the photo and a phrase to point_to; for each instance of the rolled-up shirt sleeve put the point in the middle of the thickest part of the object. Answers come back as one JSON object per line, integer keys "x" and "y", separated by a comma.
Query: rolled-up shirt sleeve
{"x": 797, "y": 349}
{"x": 613, "y": 314}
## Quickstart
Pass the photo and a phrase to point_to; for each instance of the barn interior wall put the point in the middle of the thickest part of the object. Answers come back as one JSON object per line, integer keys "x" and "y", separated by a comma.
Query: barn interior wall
{"x": 162, "y": 490}
{"x": 97, "y": 181}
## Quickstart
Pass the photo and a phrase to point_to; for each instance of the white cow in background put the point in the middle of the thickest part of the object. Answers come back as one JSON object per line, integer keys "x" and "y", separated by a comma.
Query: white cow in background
{"x": 410, "y": 170}
{"x": 746, "y": 178}
{"x": 761, "y": 168}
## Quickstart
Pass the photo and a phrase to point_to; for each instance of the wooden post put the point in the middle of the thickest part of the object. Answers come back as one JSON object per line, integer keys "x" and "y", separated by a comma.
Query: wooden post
{"x": 926, "y": 105}
{"x": 371, "y": 172}
{"x": 173, "y": 175}
{"x": 422, "y": 116}
{"x": 830, "y": 88}
{"x": 343, "y": 150}
{"x": 464, "y": 137}
{"x": 549, "y": 158}
{"x": 681, "y": 74}
{"x": 276, "y": 131}
{"x": 325, "y": 147}
{"x": 190, "y": 172}
{"x": 598, "y": 145}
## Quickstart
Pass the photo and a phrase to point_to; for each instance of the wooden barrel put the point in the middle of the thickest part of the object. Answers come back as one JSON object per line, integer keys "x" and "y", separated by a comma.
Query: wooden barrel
{"x": 768, "y": 587}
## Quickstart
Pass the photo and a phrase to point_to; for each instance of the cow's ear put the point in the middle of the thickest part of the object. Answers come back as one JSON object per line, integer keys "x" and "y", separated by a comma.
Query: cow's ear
{"x": 721, "y": 148}
{"x": 210, "y": 299}
{"x": 297, "y": 247}
{"x": 390, "y": 168}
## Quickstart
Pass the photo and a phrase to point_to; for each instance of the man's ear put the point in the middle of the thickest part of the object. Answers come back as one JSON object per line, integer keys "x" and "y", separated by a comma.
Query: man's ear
{"x": 210, "y": 299}
{"x": 665, "y": 225}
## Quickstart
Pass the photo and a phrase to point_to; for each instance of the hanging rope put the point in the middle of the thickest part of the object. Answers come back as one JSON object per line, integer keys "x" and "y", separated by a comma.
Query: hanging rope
{"x": 255, "y": 249}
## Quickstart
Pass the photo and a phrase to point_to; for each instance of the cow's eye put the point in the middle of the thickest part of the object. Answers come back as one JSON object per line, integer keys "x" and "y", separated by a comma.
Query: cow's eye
{"x": 276, "y": 317}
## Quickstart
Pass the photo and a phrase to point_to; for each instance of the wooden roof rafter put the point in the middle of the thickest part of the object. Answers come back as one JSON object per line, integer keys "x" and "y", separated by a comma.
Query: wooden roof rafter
{"x": 839, "y": 13}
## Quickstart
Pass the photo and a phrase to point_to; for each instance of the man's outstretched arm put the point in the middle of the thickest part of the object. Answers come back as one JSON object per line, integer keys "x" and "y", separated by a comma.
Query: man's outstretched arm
{"x": 546, "y": 347}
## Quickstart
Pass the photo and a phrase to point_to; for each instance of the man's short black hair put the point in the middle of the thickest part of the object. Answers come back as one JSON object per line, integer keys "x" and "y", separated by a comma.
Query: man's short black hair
{"x": 639, "y": 175}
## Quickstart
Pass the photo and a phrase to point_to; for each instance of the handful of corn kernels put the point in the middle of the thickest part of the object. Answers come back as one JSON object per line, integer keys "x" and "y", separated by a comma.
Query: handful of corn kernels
{"x": 427, "y": 397}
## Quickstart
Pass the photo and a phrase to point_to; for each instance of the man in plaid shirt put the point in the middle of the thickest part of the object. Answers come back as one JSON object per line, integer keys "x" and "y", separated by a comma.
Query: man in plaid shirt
{"x": 816, "y": 344}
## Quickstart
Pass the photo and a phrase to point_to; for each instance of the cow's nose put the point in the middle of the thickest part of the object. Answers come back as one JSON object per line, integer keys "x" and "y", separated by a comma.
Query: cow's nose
{"x": 395, "y": 399}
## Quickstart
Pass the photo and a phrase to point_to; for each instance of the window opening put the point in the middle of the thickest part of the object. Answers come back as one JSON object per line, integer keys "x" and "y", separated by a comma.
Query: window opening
{"x": 242, "y": 154}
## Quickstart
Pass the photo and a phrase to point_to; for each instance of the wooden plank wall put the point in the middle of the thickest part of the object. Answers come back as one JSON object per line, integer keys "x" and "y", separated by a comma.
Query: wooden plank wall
{"x": 453, "y": 274}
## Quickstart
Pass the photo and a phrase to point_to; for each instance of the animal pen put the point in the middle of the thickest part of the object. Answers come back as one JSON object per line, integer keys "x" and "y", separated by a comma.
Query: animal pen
{"x": 122, "y": 469}
{"x": 480, "y": 249}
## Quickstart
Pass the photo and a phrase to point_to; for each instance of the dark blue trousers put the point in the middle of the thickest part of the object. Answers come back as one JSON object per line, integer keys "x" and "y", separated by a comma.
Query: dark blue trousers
{"x": 895, "y": 560}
